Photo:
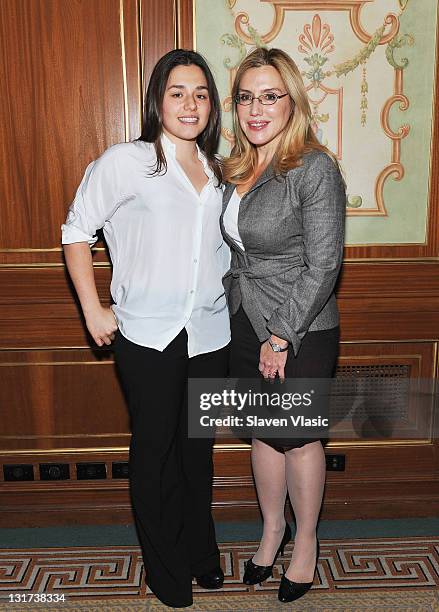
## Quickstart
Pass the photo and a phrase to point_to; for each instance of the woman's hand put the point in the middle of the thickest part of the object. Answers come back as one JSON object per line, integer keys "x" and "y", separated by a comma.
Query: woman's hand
{"x": 272, "y": 363}
{"x": 101, "y": 323}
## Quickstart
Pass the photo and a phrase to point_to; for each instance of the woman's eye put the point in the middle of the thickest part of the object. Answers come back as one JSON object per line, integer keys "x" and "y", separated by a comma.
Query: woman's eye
{"x": 270, "y": 97}
{"x": 176, "y": 95}
{"x": 244, "y": 97}
{"x": 202, "y": 97}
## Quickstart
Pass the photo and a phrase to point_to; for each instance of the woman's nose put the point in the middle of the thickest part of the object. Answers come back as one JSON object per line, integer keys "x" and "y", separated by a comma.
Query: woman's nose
{"x": 256, "y": 107}
{"x": 190, "y": 103}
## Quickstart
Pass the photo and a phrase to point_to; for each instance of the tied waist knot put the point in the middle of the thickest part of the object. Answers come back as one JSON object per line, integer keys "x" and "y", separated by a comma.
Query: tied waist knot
{"x": 264, "y": 268}
{"x": 244, "y": 274}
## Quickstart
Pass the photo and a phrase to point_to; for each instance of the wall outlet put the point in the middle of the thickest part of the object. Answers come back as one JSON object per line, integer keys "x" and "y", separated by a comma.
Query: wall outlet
{"x": 54, "y": 471}
{"x": 18, "y": 472}
{"x": 120, "y": 469}
{"x": 91, "y": 471}
{"x": 335, "y": 463}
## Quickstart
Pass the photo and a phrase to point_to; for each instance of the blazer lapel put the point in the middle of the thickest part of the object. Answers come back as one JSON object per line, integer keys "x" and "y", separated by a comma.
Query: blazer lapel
{"x": 266, "y": 176}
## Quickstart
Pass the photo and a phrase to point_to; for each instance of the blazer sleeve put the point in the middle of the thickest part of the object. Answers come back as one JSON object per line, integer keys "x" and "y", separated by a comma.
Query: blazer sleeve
{"x": 323, "y": 200}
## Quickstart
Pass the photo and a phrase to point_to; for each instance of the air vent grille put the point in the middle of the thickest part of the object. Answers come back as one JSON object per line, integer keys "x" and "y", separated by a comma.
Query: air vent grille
{"x": 371, "y": 390}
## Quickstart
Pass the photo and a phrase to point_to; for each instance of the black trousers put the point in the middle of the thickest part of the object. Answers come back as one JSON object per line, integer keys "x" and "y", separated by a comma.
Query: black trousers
{"x": 170, "y": 475}
{"x": 316, "y": 358}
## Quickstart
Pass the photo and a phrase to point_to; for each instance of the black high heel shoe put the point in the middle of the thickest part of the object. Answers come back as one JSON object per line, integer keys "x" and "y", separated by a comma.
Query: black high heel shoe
{"x": 258, "y": 573}
{"x": 290, "y": 591}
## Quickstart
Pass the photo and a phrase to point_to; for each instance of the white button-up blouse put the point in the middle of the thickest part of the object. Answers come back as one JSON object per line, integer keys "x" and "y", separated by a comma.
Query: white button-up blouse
{"x": 165, "y": 244}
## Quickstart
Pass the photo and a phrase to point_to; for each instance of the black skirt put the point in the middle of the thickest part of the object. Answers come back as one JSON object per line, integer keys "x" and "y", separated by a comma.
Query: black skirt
{"x": 317, "y": 358}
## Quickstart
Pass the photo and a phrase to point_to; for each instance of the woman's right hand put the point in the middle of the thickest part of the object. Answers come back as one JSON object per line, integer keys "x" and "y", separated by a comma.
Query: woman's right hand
{"x": 101, "y": 323}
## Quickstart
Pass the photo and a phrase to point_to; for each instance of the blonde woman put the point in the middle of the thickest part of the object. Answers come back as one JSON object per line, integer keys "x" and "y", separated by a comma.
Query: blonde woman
{"x": 283, "y": 217}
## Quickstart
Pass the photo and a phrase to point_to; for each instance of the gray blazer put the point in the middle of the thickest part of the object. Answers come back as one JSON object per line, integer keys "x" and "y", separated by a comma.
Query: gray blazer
{"x": 292, "y": 229}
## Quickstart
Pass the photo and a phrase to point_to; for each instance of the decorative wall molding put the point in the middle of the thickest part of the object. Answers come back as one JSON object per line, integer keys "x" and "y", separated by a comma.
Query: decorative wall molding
{"x": 316, "y": 42}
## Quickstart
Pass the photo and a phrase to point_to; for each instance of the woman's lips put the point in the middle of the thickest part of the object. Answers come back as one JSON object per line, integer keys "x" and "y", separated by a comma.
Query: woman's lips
{"x": 188, "y": 120}
{"x": 257, "y": 126}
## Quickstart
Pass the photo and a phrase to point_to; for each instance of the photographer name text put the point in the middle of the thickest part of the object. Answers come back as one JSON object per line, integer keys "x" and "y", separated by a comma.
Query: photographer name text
{"x": 255, "y": 421}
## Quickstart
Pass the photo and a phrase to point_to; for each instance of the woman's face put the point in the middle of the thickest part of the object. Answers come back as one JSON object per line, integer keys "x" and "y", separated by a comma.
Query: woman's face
{"x": 263, "y": 124}
{"x": 186, "y": 105}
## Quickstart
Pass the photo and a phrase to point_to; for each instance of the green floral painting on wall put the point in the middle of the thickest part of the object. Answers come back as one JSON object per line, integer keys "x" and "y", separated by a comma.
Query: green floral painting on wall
{"x": 368, "y": 67}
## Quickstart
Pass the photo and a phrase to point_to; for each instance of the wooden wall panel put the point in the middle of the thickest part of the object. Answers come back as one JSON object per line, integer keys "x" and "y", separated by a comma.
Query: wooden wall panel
{"x": 131, "y": 66}
{"x": 185, "y": 24}
{"x": 394, "y": 302}
{"x": 74, "y": 74}
{"x": 61, "y": 68}
{"x": 382, "y": 478}
{"x": 158, "y": 22}
{"x": 64, "y": 399}
{"x": 379, "y": 482}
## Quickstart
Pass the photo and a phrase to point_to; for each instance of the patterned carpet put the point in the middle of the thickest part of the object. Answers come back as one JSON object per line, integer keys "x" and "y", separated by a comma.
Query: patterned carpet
{"x": 367, "y": 574}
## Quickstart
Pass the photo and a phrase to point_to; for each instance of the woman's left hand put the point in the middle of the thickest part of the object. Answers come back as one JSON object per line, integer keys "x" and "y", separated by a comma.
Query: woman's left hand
{"x": 271, "y": 363}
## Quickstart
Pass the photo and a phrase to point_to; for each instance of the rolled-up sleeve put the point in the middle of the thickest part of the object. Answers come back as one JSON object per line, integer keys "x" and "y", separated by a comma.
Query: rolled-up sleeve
{"x": 323, "y": 199}
{"x": 96, "y": 200}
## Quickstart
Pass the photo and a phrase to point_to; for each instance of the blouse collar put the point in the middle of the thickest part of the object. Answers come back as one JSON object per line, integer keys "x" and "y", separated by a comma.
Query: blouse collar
{"x": 170, "y": 148}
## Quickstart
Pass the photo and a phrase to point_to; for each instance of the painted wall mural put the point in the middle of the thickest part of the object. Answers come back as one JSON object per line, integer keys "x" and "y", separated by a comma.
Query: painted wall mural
{"x": 368, "y": 67}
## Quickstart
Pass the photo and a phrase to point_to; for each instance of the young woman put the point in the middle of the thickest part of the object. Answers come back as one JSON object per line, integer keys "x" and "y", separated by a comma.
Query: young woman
{"x": 284, "y": 221}
{"x": 158, "y": 200}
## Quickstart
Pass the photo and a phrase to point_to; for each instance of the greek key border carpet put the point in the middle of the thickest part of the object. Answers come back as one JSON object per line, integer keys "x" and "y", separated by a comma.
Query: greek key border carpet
{"x": 385, "y": 601}
{"x": 355, "y": 574}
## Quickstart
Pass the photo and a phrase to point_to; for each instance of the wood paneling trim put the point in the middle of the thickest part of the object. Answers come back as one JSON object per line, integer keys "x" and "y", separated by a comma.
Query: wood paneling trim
{"x": 378, "y": 302}
{"x": 424, "y": 353}
{"x": 390, "y": 326}
{"x": 27, "y": 285}
{"x": 26, "y": 511}
{"x": 368, "y": 304}
{"x": 65, "y": 310}
{"x": 406, "y": 486}
{"x": 389, "y": 279}
{"x": 58, "y": 332}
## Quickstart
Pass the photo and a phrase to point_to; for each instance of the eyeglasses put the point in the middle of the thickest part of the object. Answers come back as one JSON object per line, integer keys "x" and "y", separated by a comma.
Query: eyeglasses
{"x": 245, "y": 99}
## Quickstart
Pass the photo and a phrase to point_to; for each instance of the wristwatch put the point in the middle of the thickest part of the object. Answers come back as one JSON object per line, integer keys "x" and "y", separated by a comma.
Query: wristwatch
{"x": 277, "y": 347}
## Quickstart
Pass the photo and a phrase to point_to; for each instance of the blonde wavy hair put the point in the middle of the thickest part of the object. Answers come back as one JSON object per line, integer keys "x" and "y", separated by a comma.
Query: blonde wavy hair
{"x": 298, "y": 136}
